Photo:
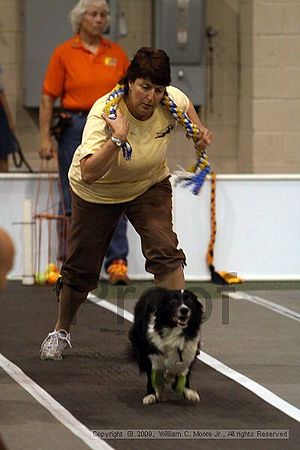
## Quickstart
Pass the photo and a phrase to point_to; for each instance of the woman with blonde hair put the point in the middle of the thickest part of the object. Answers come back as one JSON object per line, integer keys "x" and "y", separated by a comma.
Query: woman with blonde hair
{"x": 7, "y": 254}
{"x": 81, "y": 70}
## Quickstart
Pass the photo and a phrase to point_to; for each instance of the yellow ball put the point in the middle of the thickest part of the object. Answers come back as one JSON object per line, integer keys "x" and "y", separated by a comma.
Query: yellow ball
{"x": 51, "y": 267}
{"x": 52, "y": 277}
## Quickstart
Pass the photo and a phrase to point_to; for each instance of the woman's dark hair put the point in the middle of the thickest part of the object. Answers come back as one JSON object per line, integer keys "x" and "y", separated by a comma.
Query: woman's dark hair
{"x": 149, "y": 63}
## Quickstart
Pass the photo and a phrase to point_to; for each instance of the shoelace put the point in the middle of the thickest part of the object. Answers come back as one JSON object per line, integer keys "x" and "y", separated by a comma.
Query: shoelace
{"x": 54, "y": 338}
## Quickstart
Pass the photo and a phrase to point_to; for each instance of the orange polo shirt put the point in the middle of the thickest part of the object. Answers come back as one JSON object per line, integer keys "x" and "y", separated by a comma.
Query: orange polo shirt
{"x": 79, "y": 77}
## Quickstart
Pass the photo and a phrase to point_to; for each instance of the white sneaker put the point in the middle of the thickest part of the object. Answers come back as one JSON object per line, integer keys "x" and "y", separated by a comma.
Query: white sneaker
{"x": 54, "y": 344}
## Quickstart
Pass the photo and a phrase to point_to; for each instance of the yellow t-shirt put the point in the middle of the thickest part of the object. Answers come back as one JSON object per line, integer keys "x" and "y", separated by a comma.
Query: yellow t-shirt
{"x": 149, "y": 139}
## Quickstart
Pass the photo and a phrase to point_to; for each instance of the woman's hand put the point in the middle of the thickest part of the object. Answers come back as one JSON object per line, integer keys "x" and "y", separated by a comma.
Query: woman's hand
{"x": 119, "y": 126}
{"x": 95, "y": 166}
{"x": 11, "y": 124}
{"x": 204, "y": 138}
{"x": 47, "y": 149}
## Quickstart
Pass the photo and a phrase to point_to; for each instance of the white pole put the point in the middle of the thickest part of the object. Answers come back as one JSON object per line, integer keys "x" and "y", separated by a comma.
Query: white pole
{"x": 28, "y": 276}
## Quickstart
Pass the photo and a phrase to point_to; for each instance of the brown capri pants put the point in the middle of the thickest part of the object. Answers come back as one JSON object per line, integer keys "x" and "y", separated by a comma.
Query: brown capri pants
{"x": 93, "y": 225}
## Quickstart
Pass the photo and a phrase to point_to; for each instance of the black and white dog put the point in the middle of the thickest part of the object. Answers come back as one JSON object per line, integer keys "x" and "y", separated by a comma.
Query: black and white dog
{"x": 165, "y": 340}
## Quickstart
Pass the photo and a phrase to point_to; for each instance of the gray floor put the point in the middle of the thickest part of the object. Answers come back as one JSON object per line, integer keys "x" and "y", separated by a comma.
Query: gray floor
{"x": 254, "y": 340}
{"x": 251, "y": 339}
{"x": 27, "y": 425}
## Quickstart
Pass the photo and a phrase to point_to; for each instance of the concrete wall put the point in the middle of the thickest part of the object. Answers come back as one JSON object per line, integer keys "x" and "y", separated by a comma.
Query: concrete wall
{"x": 270, "y": 95}
{"x": 254, "y": 108}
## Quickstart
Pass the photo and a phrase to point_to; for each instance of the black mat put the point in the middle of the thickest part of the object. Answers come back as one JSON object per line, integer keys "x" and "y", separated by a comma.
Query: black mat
{"x": 104, "y": 390}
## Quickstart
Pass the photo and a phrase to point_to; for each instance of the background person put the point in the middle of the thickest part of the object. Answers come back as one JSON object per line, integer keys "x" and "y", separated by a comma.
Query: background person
{"x": 81, "y": 70}
{"x": 7, "y": 127}
{"x": 105, "y": 185}
{"x": 7, "y": 254}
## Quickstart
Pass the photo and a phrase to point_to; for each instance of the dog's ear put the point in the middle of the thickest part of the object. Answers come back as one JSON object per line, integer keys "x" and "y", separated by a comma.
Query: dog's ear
{"x": 198, "y": 315}
{"x": 163, "y": 308}
{"x": 193, "y": 297}
{"x": 199, "y": 311}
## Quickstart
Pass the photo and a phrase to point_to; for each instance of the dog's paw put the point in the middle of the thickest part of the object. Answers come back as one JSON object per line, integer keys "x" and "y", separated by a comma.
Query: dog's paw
{"x": 149, "y": 399}
{"x": 191, "y": 395}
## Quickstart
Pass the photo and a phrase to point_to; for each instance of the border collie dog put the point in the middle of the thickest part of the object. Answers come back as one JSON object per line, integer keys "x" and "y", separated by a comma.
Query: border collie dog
{"x": 165, "y": 340}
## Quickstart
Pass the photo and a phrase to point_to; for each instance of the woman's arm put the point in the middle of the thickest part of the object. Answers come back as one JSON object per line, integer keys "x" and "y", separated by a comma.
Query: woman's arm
{"x": 94, "y": 166}
{"x": 205, "y": 136}
{"x": 47, "y": 149}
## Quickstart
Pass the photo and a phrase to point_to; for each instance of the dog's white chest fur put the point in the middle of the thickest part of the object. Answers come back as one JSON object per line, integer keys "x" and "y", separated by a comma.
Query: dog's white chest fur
{"x": 177, "y": 353}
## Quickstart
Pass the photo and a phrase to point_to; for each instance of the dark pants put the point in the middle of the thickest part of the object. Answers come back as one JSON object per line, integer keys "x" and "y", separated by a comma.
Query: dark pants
{"x": 70, "y": 140}
{"x": 92, "y": 226}
{"x": 6, "y": 140}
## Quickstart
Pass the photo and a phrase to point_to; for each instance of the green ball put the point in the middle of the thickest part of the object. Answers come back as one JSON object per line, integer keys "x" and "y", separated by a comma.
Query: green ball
{"x": 40, "y": 278}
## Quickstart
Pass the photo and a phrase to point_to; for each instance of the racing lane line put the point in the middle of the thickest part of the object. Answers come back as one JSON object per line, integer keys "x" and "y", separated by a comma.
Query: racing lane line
{"x": 260, "y": 391}
{"x": 266, "y": 303}
{"x": 55, "y": 408}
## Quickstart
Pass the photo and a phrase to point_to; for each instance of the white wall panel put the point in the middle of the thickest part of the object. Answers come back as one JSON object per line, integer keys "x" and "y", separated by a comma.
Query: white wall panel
{"x": 258, "y": 225}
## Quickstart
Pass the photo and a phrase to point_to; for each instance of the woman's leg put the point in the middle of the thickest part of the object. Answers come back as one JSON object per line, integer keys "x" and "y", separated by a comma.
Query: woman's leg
{"x": 67, "y": 145}
{"x": 151, "y": 216}
{"x": 92, "y": 226}
{"x": 171, "y": 280}
{"x": 69, "y": 301}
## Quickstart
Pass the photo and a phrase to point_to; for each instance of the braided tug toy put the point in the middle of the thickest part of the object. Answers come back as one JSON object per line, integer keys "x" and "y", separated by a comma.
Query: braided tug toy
{"x": 217, "y": 277}
{"x": 193, "y": 178}
{"x": 196, "y": 176}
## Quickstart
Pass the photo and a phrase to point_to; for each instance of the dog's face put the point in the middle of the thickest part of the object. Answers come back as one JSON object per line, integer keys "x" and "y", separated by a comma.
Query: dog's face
{"x": 180, "y": 309}
{"x": 183, "y": 305}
